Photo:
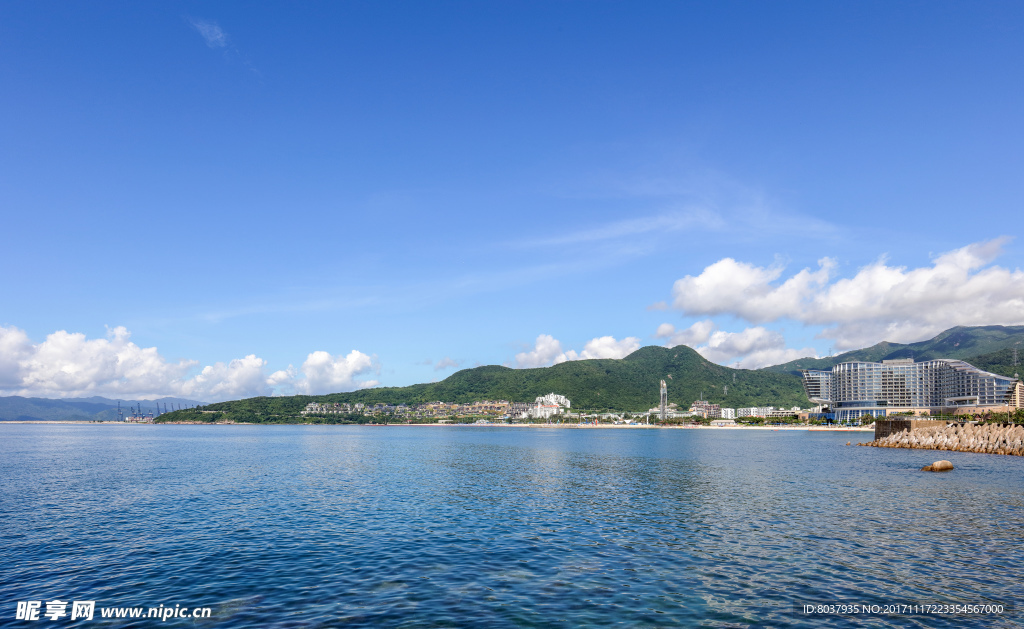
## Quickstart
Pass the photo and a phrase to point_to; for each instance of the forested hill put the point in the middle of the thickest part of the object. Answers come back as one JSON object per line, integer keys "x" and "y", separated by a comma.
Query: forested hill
{"x": 627, "y": 384}
{"x": 988, "y": 347}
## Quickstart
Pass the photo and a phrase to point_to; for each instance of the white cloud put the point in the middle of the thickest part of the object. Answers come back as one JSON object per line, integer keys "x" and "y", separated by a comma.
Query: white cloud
{"x": 692, "y": 336}
{"x": 608, "y": 347}
{"x": 547, "y": 350}
{"x": 324, "y": 373}
{"x": 745, "y": 290}
{"x": 880, "y": 302}
{"x": 211, "y": 32}
{"x": 71, "y": 365}
{"x": 751, "y": 348}
{"x": 68, "y": 365}
{"x": 284, "y": 378}
{"x": 241, "y": 377}
{"x": 14, "y": 348}
{"x": 446, "y": 363}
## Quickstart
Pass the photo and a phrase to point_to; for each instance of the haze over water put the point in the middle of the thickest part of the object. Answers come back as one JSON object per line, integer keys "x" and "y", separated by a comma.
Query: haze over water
{"x": 302, "y": 526}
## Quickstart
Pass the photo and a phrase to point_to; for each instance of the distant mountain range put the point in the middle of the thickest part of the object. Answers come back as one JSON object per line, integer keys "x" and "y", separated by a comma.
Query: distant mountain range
{"x": 988, "y": 347}
{"x": 16, "y": 408}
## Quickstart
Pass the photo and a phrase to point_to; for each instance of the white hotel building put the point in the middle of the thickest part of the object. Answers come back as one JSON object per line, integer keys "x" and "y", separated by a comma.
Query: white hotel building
{"x": 931, "y": 387}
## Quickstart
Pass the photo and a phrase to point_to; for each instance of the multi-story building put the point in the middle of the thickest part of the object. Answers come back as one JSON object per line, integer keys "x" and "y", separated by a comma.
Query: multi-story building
{"x": 818, "y": 385}
{"x": 705, "y": 409}
{"x": 780, "y": 413}
{"x": 554, "y": 399}
{"x": 855, "y": 389}
{"x": 548, "y": 405}
{"x": 317, "y": 408}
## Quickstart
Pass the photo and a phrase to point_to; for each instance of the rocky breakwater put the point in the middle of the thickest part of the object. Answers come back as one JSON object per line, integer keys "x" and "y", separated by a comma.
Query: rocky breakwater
{"x": 982, "y": 438}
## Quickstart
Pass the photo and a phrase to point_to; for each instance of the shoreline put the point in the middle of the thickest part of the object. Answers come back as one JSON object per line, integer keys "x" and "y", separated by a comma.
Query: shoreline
{"x": 573, "y": 426}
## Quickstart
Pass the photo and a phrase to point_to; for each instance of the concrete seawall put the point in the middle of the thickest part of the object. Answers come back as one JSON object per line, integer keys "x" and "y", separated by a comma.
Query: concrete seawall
{"x": 982, "y": 438}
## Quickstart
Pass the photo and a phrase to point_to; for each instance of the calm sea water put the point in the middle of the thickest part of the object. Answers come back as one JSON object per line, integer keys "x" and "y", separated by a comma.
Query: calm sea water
{"x": 302, "y": 526}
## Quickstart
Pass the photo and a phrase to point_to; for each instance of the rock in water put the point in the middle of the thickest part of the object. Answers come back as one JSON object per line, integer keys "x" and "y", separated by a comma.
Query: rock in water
{"x": 938, "y": 466}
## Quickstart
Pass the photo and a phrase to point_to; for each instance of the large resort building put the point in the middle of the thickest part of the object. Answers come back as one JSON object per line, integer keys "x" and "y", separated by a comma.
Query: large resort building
{"x": 931, "y": 387}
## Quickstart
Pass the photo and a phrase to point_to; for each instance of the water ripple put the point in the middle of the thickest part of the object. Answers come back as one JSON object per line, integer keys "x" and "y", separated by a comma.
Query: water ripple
{"x": 444, "y": 527}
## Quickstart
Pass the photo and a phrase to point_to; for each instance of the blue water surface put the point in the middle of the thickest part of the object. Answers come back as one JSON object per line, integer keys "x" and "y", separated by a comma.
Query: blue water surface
{"x": 416, "y": 526}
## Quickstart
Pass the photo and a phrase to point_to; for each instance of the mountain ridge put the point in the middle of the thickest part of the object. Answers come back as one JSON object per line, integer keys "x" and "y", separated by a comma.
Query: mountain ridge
{"x": 624, "y": 384}
{"x": 980, "y": 346}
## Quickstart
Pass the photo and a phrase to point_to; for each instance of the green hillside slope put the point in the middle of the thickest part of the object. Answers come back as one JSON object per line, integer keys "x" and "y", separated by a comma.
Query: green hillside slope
{"x": 631, "y": 383}
{"x": 1000, "y": 362}
{"x": 628, "y": 384}
{"x": 976, "y": 345}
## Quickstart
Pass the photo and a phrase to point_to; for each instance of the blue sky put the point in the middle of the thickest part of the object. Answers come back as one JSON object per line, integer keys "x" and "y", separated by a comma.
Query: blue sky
{"x": 225, "y": 199}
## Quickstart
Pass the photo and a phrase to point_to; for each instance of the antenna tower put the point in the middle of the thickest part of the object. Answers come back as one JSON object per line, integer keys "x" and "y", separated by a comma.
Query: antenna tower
{"x": 664, "y": 401}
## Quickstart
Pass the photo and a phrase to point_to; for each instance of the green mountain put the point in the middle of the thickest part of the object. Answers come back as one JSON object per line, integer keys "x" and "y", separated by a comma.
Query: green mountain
{"x": 988, "y": 347}
{"x": 631, "y": 383}
{"x": 627, "y": 384}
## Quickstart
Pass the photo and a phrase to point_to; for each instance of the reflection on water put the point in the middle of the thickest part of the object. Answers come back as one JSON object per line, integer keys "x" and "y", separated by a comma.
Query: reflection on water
{"x": 429, "y": 526}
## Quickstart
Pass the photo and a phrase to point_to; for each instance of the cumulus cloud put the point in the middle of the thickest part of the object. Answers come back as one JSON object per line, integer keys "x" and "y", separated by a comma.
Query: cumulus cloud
{"x": 880, "y": 302}
{"x": 69, "y": 364}
{"x": 211, "y": 32}
{"x": 15, "y": 347}
{"x": 547, "y": 350}
{"x": 283, "y": 378}
{"x": 751, "y": 348}
{"x": 241, "y": 377}
{"x": 745, "y": 290}
{"x": 324, "y": 373}
{"x": 608, "y": 347}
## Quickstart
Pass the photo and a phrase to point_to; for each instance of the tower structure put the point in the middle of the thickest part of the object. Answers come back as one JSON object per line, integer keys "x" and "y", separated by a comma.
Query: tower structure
{"x": 664, "y": 401}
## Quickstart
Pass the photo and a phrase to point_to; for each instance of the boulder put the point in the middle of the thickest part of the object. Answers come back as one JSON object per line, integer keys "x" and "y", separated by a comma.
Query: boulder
{"x": 938, "y": 466}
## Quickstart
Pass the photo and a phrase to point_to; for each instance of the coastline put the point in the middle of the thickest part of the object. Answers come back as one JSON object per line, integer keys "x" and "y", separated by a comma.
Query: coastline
{"x": 573, "y": 426}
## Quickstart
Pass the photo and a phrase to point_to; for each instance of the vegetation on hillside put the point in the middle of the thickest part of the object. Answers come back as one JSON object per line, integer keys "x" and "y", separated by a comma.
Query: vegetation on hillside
{"x": 631, "y": 383}
{"x": 627, "y": 384}
{"x": 987, "y": 347}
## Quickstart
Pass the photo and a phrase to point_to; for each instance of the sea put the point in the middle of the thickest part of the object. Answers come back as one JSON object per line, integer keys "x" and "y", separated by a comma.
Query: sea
{"x": 459, "y": 526}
